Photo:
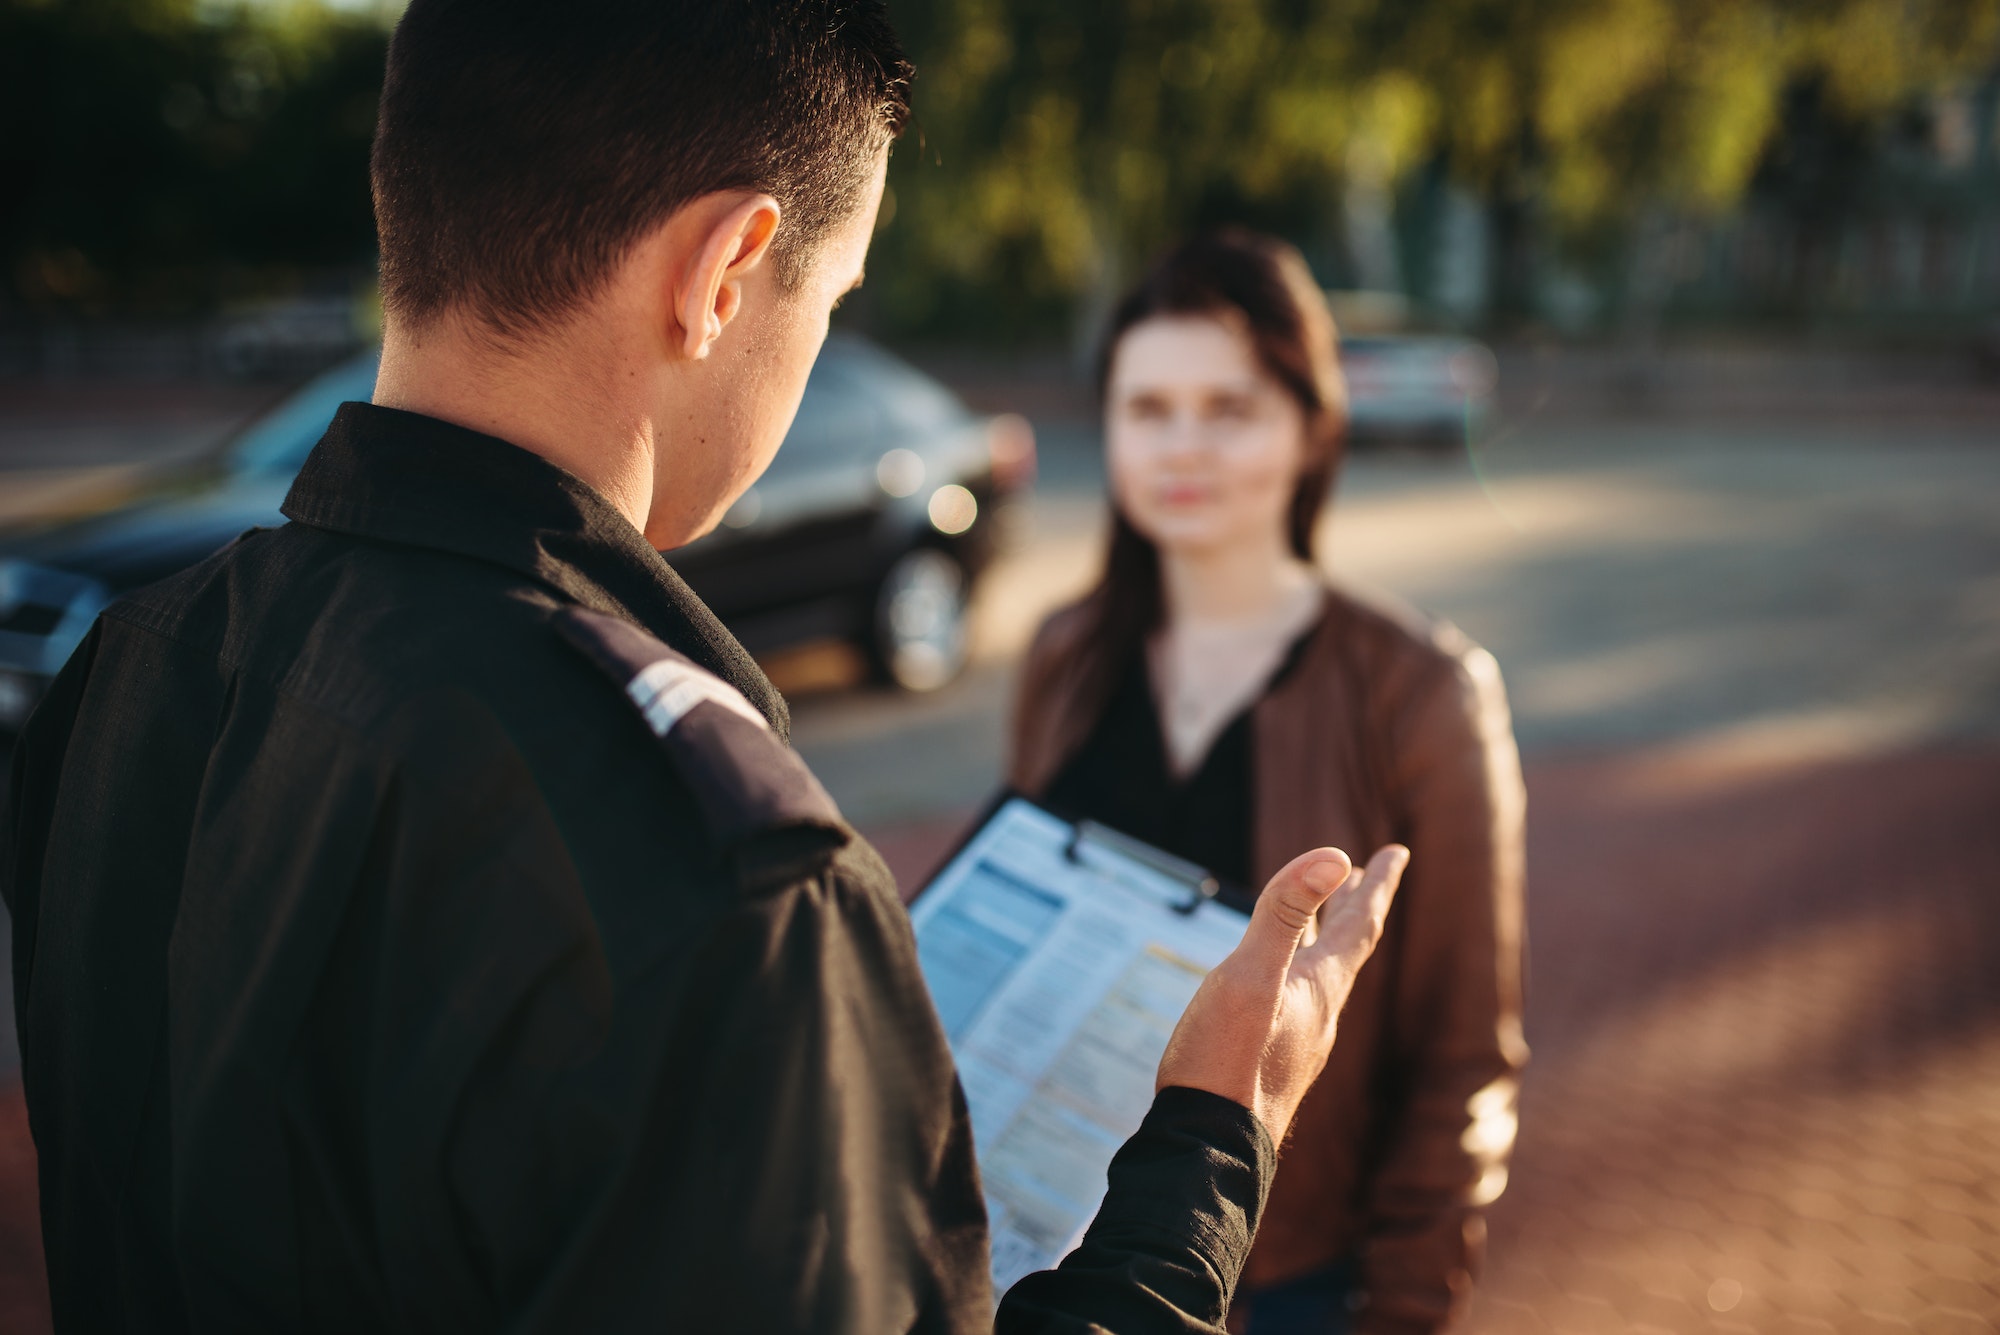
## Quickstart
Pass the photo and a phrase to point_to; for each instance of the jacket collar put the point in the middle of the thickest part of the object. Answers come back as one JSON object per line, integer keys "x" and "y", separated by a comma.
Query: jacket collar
{"x": 393, "y": 476}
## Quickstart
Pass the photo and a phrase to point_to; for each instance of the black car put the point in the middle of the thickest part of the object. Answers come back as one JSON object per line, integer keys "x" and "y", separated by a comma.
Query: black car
{"x": 872, "y": 524}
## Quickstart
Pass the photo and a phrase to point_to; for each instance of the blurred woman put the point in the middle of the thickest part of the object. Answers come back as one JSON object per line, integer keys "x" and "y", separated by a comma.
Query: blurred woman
{"x": 1217, "y": 697}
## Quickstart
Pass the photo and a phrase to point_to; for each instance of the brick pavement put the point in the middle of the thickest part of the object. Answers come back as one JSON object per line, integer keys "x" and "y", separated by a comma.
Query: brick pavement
{"x": 1766, "y": 1014}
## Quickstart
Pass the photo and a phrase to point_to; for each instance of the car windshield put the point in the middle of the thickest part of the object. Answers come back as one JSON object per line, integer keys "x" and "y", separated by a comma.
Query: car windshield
{"x": 861, "y": 400}
{"x": 839, "y": 410}
{"x": 912, "y": 401}
{"x": 279, "y": 441}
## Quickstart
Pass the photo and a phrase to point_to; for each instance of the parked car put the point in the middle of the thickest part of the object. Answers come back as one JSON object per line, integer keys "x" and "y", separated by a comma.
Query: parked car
{"x": 1425, "y": 389}
{"x": 872, "y": 524}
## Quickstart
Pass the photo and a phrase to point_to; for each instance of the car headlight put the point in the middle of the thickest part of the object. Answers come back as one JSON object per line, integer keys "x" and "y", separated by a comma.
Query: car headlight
{"x": 19, "y": 693}
{"x": 952, "y": 509}
{"x": 1473, "y": 372}
{"x": 900, "y": 472}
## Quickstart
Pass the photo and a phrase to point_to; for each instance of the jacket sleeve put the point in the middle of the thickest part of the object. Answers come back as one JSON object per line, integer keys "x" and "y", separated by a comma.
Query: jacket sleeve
{"x": 771, "y": 1139}
{"x": 1165, "y": 1250}
{"x": 1456, "y": 1003}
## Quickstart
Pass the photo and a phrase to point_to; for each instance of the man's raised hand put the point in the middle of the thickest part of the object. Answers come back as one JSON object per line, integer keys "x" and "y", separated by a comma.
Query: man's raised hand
{"x": 1261, "y": 1026}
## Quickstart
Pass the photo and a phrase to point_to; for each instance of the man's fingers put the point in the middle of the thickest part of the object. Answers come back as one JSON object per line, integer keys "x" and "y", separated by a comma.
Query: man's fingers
{"x": 1352, "y": 921}
{"x": 1384, "y": 873}
{"x": 1288, "y": 905}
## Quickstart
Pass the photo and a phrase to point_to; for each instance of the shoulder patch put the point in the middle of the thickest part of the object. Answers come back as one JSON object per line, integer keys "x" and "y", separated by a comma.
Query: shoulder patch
{"x": 746, "y": 780}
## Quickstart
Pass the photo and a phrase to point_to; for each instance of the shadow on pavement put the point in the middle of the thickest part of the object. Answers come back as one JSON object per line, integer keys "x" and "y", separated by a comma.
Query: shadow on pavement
{"x": 1766, "y": 1019}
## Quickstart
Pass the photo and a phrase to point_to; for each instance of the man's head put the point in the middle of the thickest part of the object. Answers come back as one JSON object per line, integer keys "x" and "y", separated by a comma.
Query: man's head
{"x": 524, "y": 145}
{"x": 570, "y": 177}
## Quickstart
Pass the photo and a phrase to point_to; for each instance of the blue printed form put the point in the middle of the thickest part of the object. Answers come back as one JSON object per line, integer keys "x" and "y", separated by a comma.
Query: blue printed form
{"x": 974, "y": 942}
{"x": 1059, "y": 979}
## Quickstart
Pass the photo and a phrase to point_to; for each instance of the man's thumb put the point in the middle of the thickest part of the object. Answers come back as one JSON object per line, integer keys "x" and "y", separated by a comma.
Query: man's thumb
{"x": 1288, "y": 904}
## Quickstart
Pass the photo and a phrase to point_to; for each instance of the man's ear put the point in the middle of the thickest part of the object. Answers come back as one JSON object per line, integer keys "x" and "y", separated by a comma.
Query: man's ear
{"x": 733, "y": 237}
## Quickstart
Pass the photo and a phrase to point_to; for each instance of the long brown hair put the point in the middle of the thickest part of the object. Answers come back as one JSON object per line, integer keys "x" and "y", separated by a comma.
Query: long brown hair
{"x": 1262, "y": 284}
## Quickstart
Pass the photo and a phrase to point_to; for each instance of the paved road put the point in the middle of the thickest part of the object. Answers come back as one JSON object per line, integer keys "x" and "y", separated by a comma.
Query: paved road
{"x": 1746, "y": 588}
{"x": 1766, "y": 1019}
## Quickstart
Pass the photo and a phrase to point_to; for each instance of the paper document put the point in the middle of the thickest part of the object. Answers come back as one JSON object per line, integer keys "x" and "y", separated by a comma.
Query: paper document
{"x": 1060, "y": 968}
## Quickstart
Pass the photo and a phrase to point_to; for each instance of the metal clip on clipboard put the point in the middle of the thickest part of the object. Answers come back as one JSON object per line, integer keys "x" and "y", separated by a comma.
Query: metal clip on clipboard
{"x": 1200, "y": 887}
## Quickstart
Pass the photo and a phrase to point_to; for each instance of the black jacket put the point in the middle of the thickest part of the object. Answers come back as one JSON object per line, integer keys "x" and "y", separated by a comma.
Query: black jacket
{"x": 387, "y": 957}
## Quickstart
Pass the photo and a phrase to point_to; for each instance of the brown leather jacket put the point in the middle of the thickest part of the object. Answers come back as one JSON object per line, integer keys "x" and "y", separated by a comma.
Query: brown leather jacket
{"x": 1390, "y": 728}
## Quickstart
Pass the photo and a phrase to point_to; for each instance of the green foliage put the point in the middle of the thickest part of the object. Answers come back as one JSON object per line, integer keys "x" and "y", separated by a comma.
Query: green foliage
{"x": 163, "y": 158}
{"x": 1060, "y": 143}
{"x": 166, "y": 153}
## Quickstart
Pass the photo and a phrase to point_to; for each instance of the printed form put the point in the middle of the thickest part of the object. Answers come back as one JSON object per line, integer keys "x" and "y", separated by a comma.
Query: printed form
{"x": 1060, "y": 978}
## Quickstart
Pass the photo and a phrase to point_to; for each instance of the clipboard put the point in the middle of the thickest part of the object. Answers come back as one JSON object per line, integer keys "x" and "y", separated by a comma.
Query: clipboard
{"x": 1060, "y": 956}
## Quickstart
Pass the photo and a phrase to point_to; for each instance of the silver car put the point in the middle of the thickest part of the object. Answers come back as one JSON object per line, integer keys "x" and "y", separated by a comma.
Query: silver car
{"x": 1422, "y": 389}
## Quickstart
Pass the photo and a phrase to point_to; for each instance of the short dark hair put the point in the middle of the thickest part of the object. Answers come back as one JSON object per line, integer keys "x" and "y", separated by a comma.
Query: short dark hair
{"x": 524, "y": 145}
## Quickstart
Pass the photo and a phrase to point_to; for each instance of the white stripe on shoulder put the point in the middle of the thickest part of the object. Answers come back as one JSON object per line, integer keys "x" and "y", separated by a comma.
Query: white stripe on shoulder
{"x": 665, "y": 691}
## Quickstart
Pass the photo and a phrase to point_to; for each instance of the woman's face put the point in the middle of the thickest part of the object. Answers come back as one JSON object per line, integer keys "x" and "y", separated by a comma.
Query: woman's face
{"x": 1204, "y": 446}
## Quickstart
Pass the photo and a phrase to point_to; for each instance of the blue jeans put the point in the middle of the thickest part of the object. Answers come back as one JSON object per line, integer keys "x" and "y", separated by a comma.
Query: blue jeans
{"x": 1315, "y": 1304}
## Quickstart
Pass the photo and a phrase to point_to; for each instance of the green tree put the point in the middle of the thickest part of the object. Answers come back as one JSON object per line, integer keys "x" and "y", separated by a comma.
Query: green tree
{"x": 1062, "y": 142}
{"x": 163, "y": 158}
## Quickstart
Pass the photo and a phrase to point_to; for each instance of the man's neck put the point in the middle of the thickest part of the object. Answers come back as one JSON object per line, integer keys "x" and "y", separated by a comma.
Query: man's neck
{"x": 573, "y": 404}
